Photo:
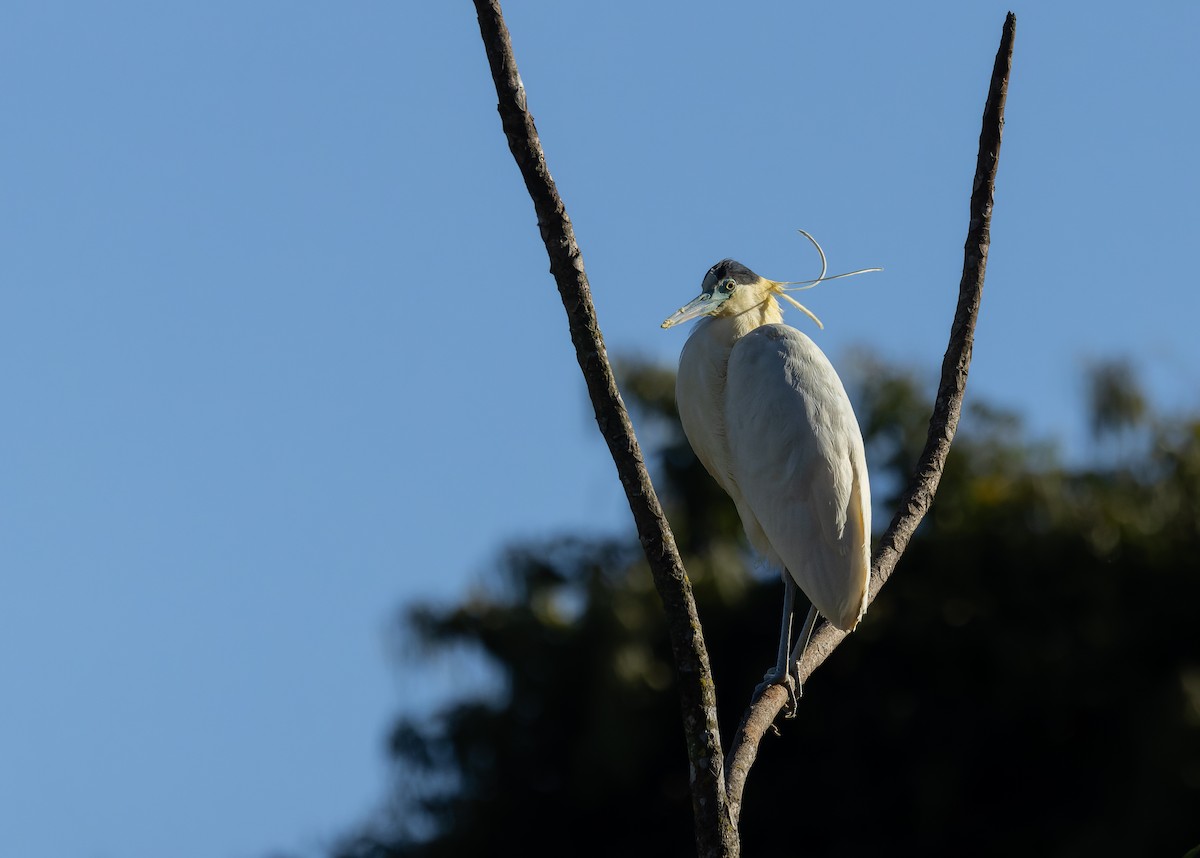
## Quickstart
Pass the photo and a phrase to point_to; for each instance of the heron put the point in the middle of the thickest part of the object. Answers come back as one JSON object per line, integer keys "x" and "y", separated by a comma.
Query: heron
{"x": 769, "y": 418}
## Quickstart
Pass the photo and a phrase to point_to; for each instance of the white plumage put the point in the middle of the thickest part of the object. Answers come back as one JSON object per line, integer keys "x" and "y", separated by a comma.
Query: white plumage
{"x": 769, "y": 418}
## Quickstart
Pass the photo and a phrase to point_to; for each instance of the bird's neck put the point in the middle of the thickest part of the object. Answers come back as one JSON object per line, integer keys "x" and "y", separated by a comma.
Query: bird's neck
{"x": 721, "y": 332}
{"x": 766, "y": 312}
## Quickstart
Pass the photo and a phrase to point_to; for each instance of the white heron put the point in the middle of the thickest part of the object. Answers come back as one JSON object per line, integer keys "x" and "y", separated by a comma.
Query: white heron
{"x": 770, "y": 420}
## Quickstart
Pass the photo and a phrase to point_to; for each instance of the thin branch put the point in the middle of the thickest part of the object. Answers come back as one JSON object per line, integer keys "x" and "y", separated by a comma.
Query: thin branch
{"x": 942, "y": 424}
{"x": 715, "y": 832}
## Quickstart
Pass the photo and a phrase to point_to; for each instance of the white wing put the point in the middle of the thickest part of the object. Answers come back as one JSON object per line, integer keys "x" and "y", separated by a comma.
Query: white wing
{"x": 796, "y": 453}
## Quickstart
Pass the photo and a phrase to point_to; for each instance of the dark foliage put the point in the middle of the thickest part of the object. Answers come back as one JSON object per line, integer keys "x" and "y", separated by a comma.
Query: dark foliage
{"x": 1028, "y": 683}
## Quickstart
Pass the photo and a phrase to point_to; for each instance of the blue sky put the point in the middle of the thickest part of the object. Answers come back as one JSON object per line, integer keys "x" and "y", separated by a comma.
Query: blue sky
{"x": 280, "y": 352}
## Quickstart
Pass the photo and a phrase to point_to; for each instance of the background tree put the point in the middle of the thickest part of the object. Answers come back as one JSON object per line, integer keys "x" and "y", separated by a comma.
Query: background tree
{"x": 1030, "y": 685}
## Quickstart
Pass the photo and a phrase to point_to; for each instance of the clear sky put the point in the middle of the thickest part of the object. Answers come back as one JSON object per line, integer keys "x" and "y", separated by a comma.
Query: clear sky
{"x": 280, "y": 352}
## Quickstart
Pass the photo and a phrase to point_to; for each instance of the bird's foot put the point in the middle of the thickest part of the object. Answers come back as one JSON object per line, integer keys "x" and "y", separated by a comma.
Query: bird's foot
{"x": 785, "y": 679}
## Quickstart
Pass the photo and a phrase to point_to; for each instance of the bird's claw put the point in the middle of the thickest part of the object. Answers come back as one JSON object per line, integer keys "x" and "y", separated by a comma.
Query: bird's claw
{"x": 790, "y": 685}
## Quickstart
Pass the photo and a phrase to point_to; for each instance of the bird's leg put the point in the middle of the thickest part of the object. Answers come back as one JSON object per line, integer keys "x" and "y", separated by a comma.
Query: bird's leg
{"x": 781, "y": 674}
{"x": 785, "y": 628}
{"x": 801, "y": 644}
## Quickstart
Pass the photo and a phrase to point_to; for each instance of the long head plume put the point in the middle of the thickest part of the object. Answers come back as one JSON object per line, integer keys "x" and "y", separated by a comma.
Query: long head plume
{"x": 782, "y": 287}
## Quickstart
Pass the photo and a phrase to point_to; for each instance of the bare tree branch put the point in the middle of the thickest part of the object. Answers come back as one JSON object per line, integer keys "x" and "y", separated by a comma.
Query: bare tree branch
{"x": 942, "y": 424}
{"x": 716, "y": 835}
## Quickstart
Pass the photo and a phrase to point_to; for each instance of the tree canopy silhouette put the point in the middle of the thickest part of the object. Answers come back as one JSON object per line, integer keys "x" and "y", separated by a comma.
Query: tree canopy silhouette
{"x": 1031, "y": 685}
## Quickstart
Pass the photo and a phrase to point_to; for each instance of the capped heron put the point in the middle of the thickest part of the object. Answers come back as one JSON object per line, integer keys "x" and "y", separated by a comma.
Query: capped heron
{"x": 770, "y": 420}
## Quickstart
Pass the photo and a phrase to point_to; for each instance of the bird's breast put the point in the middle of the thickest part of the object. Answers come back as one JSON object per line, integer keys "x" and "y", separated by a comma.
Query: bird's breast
{"x": 700, "y": 397}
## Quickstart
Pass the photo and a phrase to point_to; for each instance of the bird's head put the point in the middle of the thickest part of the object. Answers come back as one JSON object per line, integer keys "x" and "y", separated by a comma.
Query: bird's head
{"x": 730, "y": 288}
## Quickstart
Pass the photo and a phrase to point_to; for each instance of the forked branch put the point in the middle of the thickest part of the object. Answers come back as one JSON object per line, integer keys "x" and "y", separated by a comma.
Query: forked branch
{"x": 717, "y": 811}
